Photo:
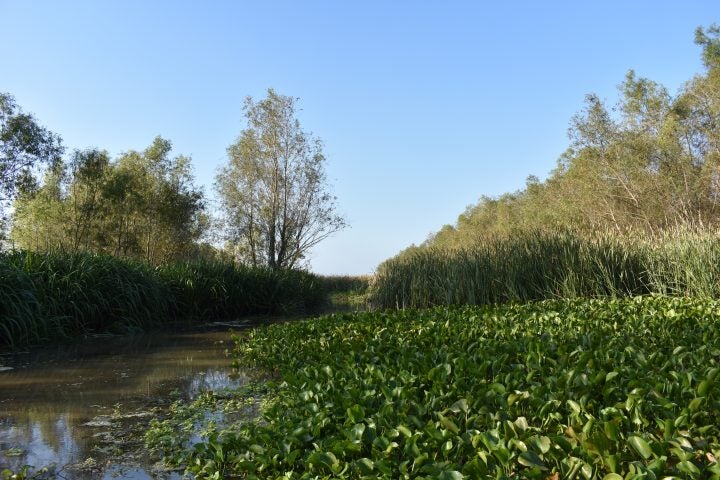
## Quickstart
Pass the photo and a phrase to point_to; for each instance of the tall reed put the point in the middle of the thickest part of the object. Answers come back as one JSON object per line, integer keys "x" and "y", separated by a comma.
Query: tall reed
{"x": 45, "y": 296}
{"x": 535, "y": 266}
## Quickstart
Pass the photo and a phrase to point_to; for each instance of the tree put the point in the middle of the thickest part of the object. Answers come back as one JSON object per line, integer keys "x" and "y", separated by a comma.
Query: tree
{"x": 274, "y": 190}
{"x": 23, "y": 145}
{"x": 142, "y": 205}
{"x": 89, "y": 169}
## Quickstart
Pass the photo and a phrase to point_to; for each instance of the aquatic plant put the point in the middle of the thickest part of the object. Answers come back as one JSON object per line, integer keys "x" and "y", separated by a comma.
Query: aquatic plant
{"x": 536, "y": 266}
{"x": 624, "y": 388}
{"x": 54, "y": 295}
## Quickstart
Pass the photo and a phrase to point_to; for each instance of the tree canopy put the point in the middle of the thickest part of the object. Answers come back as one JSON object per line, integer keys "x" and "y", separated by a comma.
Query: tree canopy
{"x": 24, "y": 145}
{"x": 274, "y": 190}
{"x": 649, "y": 163}
{"x": 141, "y": 205}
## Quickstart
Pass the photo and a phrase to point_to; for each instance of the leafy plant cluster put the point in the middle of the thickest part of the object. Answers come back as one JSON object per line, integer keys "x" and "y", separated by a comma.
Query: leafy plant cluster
{"x": 54, "y": 295}
{"x": 199, "y": 419}
{"x": 536, "y": 266}
{"x": 609, "y": 389}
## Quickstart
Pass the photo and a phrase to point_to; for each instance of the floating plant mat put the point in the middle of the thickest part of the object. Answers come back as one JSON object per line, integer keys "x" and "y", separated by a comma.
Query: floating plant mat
{"x": 614, "y": 388}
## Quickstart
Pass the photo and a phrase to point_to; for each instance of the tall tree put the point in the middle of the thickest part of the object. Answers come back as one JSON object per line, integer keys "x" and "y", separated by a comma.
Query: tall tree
{"x": 23, "y": 145}
{"x": 274, "y": 190}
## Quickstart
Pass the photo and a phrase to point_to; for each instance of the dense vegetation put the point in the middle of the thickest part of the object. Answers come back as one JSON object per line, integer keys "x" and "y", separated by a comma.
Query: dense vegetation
{"x": 632, "y": 208}
{"x": 534, "y": 266}
{"x": 142, "y": 205}
{"x": 53, "y": 295}
{"x": 556, "y": 389}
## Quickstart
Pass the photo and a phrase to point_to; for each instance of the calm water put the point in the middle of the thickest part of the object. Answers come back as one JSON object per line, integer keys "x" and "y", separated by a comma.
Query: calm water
{"x": 64, "y": 406}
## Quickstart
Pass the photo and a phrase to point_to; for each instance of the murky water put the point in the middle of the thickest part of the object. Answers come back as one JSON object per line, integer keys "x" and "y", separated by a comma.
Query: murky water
{"x": 57, "y": 405}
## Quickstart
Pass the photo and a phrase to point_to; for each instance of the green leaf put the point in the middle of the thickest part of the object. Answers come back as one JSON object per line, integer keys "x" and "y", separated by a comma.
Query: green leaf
{"x": 459, "y": 406}
{"x": 521, "y": 423}
{"x": 365, "y": 465}
{"x": 704, "y": 387}
{"x": 689, "y": 468}
{"x": 404, "y": 430}
{"x": 255, "y": 448}
{"x": 641, "y": 446}
{"x": 450, "y": 475}
{"x": 322, "y": 459}
{"x": 541, "y": 443}
{"x": 449, "y": 424}
{"x": 695, "y": 404}
{"x": 531, "y": 459}
{"x": 356, "y": 413}
{"x": 612, "y": 476}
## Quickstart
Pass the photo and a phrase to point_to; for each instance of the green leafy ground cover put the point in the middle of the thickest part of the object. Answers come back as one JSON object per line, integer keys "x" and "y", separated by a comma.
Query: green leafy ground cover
{"x": 556, "y": 389}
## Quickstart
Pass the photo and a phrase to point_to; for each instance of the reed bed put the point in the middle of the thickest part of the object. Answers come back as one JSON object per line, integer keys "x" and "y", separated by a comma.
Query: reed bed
{"x": 46, "y": 296}
{"x": 539, "y": 266}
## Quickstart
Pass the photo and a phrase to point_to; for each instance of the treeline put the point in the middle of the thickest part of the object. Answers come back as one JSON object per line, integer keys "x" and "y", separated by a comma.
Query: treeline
{"x": 649, "y": 163}
{"x": 140, "y": 205}
{"x": 54, "y": 295}
{"x": 144, "y": 205}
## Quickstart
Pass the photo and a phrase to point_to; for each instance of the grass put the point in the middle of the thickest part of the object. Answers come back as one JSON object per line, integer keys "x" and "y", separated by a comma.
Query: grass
{"x": 576, "y": 389}
{"x": 50, "y": 296}
{"x": 538, "y": 266}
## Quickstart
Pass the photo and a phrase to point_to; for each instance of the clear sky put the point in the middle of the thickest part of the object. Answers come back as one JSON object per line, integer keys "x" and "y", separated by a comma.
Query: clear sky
{"x": 423, "y": 106}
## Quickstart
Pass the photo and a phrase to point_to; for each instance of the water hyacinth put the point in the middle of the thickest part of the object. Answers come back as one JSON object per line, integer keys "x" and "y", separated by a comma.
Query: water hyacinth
{"x": 625, "y": 388}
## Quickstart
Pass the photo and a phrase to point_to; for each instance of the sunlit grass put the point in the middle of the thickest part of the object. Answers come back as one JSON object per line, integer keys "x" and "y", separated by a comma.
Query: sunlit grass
{"x": 539, "y": 266}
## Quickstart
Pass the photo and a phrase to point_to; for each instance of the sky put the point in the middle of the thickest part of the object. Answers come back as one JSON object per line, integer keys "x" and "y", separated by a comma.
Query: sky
{"x": 423, "y": 107}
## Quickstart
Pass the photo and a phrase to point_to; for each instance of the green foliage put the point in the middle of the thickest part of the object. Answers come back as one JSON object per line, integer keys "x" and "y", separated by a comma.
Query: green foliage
{"x": 55, "y": 294}
{"x": 23, "y": 145}
{"x": 142, "y": 205}
{"x": 25, "y": 473}
{"x": 274, "y": 191}
{"x": 346, "y": 293}
{"x": 648, "y": 163}
{"x": 208, "y": 289}
{"x": 535, "y": 266}
{"x": 200, "y": 419}
{"x": 557, "y": 389}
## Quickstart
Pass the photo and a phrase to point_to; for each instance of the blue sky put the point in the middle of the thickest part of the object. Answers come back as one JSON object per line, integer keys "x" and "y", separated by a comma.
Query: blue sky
{"x": 423, "y": 106}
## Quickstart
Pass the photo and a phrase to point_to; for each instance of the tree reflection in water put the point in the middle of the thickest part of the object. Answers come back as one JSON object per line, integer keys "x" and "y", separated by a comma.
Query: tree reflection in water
{"x": 49, "y": 397}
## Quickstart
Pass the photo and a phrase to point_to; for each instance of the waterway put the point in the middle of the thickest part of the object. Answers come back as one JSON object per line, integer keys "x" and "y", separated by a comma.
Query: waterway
{"x": 77, "y": 409}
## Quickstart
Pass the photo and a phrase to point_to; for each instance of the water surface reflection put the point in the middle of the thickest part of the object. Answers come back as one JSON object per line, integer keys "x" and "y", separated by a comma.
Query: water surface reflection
{"x": 61, "y": 406}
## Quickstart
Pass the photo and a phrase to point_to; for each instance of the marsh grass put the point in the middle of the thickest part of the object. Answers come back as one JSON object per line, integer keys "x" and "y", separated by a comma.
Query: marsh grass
{"x": 538, "y": 266}
{"x": 46, "y": 296}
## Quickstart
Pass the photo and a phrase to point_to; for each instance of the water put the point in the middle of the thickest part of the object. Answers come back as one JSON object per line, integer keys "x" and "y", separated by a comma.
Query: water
{"x": 63, "y": 407}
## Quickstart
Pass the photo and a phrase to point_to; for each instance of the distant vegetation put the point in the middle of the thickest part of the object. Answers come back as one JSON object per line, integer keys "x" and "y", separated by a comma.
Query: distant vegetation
{"x": 535, "y": 266}
{"x": 93, "y": 244}
{"x": 144, "y": 205}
